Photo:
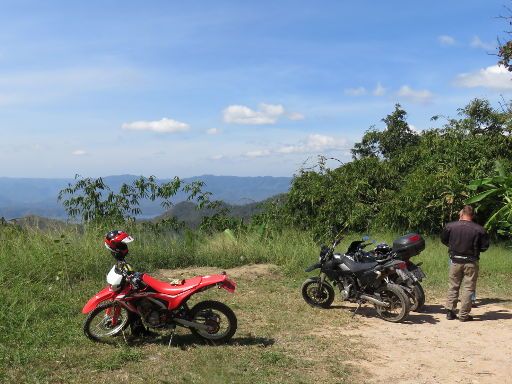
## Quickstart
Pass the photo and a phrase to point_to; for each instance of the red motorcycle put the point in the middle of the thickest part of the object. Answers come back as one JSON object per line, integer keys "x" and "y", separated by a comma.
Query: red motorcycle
{"x": 131, "y": 296}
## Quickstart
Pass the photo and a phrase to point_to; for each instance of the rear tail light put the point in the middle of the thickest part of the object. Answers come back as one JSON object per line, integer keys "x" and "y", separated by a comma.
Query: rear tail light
{"x": 402, "y": 265}
{"x": 228, "y": 285}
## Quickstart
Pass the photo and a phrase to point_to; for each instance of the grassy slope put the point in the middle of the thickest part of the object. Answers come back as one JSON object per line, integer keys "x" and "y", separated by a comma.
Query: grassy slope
{"x": 45, "y": 278}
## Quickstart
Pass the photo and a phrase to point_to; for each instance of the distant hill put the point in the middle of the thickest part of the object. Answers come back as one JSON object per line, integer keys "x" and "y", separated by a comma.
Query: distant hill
{"x": 187, "y": 211}
{"x": 42, "y": 223}
{"x": 21, "y": 197}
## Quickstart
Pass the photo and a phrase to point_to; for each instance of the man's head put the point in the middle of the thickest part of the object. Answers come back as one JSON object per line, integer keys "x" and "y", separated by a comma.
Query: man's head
{"x": 466, "y": 213}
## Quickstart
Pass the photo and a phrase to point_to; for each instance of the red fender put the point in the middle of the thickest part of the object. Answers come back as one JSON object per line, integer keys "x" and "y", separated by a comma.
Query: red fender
{"x": 103, "y": 295}
{"x": 228, "y": 284}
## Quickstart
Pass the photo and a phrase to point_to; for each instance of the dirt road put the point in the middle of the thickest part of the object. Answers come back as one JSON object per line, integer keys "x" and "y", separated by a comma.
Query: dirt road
{"x": 425, "y": 349}
{"x": 428, "y": 349}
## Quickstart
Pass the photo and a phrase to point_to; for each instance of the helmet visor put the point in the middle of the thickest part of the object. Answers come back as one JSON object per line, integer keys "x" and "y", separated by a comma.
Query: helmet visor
{"x": 127, "y": 239}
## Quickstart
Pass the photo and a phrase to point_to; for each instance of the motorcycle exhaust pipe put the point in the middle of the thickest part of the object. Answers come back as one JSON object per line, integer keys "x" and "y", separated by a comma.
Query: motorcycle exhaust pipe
{"x": 374, "y": 301}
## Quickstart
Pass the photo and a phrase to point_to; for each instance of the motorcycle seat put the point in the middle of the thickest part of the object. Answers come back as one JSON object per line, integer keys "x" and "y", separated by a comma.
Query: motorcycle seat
{"x": 171, "y": 289}
{"x": 356, "y": 267}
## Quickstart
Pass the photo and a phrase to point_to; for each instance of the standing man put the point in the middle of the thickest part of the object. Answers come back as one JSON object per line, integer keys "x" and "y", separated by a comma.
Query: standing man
{"x": 465, "y": 240}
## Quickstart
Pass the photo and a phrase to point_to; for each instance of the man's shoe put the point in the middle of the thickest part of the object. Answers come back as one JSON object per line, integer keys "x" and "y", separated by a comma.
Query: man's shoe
{"x": 466, "y": 318}
{"x": 450, "y": 315}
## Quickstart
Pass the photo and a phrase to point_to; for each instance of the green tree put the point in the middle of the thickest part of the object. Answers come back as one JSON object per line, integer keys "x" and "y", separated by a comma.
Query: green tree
{"x": 394, "y": 139}
{"x": 402, "y": 180}
{"x": 92, "y": 201}
{"x": 505, "y": 48}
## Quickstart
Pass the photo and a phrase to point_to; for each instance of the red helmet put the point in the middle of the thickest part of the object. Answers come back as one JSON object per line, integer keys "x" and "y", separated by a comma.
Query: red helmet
{"x": 116, "y": 242}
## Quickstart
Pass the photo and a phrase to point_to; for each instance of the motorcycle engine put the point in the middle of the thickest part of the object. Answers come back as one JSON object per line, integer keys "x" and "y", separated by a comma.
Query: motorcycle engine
{"x": 347, "y": 292}
{"x": 153, "y": 314}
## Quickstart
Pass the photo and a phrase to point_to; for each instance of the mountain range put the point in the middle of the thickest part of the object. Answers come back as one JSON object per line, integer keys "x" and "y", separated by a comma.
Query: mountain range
{"x": 38, "y": 196}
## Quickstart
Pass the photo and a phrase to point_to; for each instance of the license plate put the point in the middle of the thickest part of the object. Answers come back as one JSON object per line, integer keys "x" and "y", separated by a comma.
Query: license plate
{"x": 418, "y": 273}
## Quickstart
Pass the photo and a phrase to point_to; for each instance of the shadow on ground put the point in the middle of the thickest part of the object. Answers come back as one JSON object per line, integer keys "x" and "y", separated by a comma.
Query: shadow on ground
{"x": 492, "y": 300}
{"x": 189, "y": 341}
{"x": 428, "y": 312}
{"x": 423, "y": 317}
{"x": 501, "y": 314}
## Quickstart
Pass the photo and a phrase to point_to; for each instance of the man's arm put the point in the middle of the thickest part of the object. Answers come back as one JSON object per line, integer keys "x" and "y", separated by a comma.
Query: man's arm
{"x": 484, "y": 242}
{"x": 445, "y": 236}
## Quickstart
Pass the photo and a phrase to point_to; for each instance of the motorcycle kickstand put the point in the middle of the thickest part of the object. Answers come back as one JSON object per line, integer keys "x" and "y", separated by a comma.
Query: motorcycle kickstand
{"x": 357, "y": 309}
{"x": 172, "y": 334}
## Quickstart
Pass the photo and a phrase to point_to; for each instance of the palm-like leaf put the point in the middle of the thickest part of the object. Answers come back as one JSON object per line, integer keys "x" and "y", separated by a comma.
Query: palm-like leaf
{"x": 497, "y": 189}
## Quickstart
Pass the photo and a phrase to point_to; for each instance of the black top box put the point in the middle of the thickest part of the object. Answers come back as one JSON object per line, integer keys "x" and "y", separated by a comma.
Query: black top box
{"x": 409, "y": 245}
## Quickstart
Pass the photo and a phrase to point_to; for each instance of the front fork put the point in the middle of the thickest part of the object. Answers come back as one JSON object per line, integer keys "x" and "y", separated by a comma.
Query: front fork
{"x": 323, "y": 276}
{"x": 321, "y": 281}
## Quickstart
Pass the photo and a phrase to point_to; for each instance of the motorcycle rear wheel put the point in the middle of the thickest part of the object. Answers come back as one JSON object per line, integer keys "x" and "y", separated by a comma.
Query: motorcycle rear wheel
{"x": 107, "y": 320}
{"x": 395, "y": 296}
{"x": 418, "y": 299}
{"x": 316, "y": 294}
{"x": 218, "y": 316}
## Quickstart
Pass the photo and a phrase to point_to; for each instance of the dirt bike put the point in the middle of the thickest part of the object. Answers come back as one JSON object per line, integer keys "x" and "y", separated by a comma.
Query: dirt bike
{"x": 131, "y": 296}
{"x": 359, "y": 282}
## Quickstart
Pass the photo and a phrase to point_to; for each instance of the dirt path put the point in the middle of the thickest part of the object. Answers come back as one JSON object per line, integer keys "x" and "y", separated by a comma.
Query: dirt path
{"x": 425, "y": 349}
{"x": 428, "y": 349}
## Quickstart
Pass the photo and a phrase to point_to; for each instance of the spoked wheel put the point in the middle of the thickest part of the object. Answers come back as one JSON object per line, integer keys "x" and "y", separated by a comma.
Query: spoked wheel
{"x": 398, "y": 303}
{"x": 418, "y": 299}
{"x": 218, "y": 317}
{"x": 317, "y": 294}
{"x": 105, "y": 321}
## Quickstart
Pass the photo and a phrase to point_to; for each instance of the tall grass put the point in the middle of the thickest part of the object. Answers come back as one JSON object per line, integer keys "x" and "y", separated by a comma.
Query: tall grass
{"x": 46, "y": 277}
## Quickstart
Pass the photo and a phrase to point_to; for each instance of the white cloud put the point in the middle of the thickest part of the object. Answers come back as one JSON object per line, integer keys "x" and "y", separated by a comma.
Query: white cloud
{"x": 415, "y": 129}
{"x": 314, "y": 143}
{"x": 161, "y": 126}
{"x": 265, "y": 115}
{"x": 22, "y": 87}
{"x": 359, "y": 91}
{"x": 213, "y": 131}
{"x": 416, "y": 96}
{"x": 290, "y": 149}
{"x": 217, "y": 157}
{"x": 379, "y": 90}
{"x": 495, "y": 77}
{"x": 477, "y": 43}
{"x": 258, "y": 153}
{"x": 79, "y": 152}
{"x": 446, "y": 40}
{"x": 319, "y": 142}
{"x": 295, "y": 116}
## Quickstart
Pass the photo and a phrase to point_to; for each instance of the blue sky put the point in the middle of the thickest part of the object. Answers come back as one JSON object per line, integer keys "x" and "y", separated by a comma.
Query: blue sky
{"x": 243, "y": 88}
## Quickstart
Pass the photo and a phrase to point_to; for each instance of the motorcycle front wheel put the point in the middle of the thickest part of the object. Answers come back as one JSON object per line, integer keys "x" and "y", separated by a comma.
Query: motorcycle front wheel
{"x": 107, "y": 320}
{"x": 397, "y": 302}
{"x": 317, "y": 294}
{"x": 218, "y": 317}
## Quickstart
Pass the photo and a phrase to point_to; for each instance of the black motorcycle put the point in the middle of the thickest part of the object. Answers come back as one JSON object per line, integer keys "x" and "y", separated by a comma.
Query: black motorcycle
{"x": 410, "y": 278}
{"x": 358, "y": 281}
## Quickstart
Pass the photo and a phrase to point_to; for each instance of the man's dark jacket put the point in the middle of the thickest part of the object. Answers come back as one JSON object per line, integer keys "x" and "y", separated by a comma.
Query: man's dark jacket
{"x": 465, "y": 240}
